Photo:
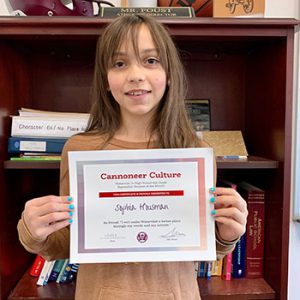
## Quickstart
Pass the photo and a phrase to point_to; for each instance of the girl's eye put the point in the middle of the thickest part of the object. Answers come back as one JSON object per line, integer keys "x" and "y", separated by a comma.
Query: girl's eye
{"x": 118, "y": 64}
{"x": 152, "y": 61}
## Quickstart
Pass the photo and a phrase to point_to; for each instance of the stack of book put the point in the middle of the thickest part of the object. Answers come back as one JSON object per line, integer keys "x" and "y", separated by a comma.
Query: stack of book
{"x": 246, "y": 260}
{"x": 59, "y": 271}
{"x": 41, "y": 135}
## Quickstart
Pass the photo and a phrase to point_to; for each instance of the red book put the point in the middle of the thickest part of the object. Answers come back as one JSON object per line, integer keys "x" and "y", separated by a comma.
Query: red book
{"x": 255, "y": 198}
{"x": 37, "y": 266}
{"x": 227, "y": 267}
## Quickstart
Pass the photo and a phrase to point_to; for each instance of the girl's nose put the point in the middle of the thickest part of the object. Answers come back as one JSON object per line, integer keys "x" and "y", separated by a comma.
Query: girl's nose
{"x": 136, "y": 73}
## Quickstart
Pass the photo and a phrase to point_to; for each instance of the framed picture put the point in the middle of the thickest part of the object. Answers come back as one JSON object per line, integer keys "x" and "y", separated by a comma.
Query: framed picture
{"x": 199, "y": 112}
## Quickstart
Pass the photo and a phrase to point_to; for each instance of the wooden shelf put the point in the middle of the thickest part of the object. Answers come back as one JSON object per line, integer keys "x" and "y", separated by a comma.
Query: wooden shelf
{"x": 216, "y": 288}
{"x": 27, "y": 289}
{"x": 252, "y": 162}
{"x": 243, "y": 288}
{"x": 10, "y": 164}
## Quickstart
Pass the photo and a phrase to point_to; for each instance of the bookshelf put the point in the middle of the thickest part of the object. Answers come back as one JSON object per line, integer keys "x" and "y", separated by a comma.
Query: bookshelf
{"x": 245, "y": 68}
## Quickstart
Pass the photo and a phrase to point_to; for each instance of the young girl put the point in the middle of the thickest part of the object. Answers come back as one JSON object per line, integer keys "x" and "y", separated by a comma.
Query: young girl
{"x": 139, "y": 92}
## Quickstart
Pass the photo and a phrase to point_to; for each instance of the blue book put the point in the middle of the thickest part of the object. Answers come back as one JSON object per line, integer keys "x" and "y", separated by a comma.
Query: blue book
{"x": 239, "y": 258}
{"x": 56, "y": 269}
{"x": 39, "y": 145}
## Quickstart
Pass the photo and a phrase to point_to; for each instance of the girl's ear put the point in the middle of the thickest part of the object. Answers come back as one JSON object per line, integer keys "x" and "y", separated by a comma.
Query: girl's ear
{"x": 169, "y": 81}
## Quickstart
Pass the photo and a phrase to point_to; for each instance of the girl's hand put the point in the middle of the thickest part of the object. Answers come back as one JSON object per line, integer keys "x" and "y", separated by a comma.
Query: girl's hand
{"x": 45, "y": 215}
{"x": 230, "y": 213}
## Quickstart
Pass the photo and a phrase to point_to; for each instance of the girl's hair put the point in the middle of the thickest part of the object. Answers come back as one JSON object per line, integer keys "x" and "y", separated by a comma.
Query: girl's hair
{"x": 170, "y": 124}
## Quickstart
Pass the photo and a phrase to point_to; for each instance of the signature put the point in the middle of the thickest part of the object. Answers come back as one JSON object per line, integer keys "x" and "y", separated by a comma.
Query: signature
{"x": 173, "y": 233}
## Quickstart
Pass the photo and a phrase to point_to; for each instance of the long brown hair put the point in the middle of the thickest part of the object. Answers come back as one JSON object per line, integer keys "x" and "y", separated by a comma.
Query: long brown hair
{"x": 170, "y": 125}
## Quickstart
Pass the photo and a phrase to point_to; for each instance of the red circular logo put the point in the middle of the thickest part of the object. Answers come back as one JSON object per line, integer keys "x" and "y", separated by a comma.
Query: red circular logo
{"x": 142, "y": 237}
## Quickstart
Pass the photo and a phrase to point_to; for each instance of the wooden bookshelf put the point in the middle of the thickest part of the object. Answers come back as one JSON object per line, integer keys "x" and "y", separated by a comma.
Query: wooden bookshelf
{"x": 245, "y": 68}
{"x": 252, "y": 162}
{"x": 242, "y": 288}
{"x": 27, "y": 289}
{"x": 215, "y": 288}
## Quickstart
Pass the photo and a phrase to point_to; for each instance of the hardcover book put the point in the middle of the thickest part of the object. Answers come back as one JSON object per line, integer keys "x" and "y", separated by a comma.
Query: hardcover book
{"x": 255, "y": 198}
{"x": 226, "y": 274}
{"x": 42, "y": 145}
{"x": 37, "y": 266}
{"x": 199, "y": 113}
{"x": 239, "y": 258}
{"x": 56, "y": 269}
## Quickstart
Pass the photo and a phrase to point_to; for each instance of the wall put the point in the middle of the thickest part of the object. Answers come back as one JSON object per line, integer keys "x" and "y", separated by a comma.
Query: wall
{"x": 280, "y": 9}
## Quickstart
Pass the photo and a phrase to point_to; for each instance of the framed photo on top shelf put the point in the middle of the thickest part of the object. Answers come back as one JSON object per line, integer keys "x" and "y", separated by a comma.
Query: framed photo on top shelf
{"x": 199, "y": 112}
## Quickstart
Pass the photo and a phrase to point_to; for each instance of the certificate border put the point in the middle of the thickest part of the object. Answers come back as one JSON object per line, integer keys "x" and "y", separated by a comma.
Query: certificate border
{"x": 201, "y": 196}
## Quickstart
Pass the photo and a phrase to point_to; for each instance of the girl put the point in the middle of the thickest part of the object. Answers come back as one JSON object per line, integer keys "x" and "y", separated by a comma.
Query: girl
{"x": 139, "y": 91}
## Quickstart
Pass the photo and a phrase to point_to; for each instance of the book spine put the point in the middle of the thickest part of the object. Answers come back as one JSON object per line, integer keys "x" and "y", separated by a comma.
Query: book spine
{"x": 227, "y": 267}
{"x": 22, "y": 144}
{"x": 66, "y": 273}
{"x": 31, "y": 127}
{"x": 208, "y": 270}
{"x": 255, "y": 237}
{"x": 56, "y": 269}
{"x": 37, "y": 266}
{"x": 66, "y": 262}
{"x": 239, "y": 258}
{"x": 201, "y": 269}
{"x": 43, "y": 278}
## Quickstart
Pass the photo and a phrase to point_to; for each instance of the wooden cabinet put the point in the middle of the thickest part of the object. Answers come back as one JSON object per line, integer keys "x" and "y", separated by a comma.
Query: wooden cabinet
{"x": 245, "y": 68}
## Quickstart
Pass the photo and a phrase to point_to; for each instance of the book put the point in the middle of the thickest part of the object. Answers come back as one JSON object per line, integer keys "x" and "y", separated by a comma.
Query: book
{"x": 202, "y": 269}
{"x": 255, "y": 198}
{"x": 70, "y": 273}
{"x": 44, "y": 275}
{"x": 25, "y": 144}
{"x": 226, "y": 144}
{"x": 239, "y": 258}
{"x": 198, "y": 111}
{"x": 56, "y": 269}
{"x": 217, "y": 266}
{"x": 62, "y": 270}
{"x": 55, "y": 127}
{"x": 226, "y": 273}
{"x": 36, "y": 158}
{"x": 66, "y": 273}
{"x": 208, "y": 269}
{"x": 174, "y": 12}
{"x": 29, "y": 112}
{"x": 37, "y": 266}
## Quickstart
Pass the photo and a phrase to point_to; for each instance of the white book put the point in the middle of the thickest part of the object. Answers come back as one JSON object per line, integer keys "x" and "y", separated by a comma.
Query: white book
{"x": 29, "y": 112}
{"x": 47, "y": 127}
{"x": 46, "y": 270}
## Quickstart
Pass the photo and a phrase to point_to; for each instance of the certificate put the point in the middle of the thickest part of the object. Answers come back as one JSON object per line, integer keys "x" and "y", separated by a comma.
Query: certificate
{"x": 142, "y": 205}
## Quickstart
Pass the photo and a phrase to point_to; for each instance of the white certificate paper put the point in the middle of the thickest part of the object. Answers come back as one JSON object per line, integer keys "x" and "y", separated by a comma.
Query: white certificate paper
{"x": 142, "y": 205}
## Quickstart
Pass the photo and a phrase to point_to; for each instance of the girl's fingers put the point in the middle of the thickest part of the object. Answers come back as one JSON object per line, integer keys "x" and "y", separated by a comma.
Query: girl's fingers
{"x": 231, "y": 213}
{"x": 228, "y": 197}
{"x": 44, "y": 231}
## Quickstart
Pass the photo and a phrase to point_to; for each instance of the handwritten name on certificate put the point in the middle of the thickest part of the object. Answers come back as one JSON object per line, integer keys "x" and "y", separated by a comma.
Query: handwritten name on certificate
{"x": 142, "y": 205}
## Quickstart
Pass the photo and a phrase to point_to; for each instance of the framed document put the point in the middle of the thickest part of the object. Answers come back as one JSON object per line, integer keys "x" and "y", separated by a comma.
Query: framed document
{"x": 142, "y": 205}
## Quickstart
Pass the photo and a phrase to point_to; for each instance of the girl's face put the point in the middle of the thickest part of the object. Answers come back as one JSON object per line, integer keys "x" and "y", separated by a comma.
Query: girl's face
{"x": 137, "y": 83}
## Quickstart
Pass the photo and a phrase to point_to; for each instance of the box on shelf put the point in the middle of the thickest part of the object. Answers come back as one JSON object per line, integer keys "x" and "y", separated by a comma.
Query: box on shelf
{"x": 222, "y": 8}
